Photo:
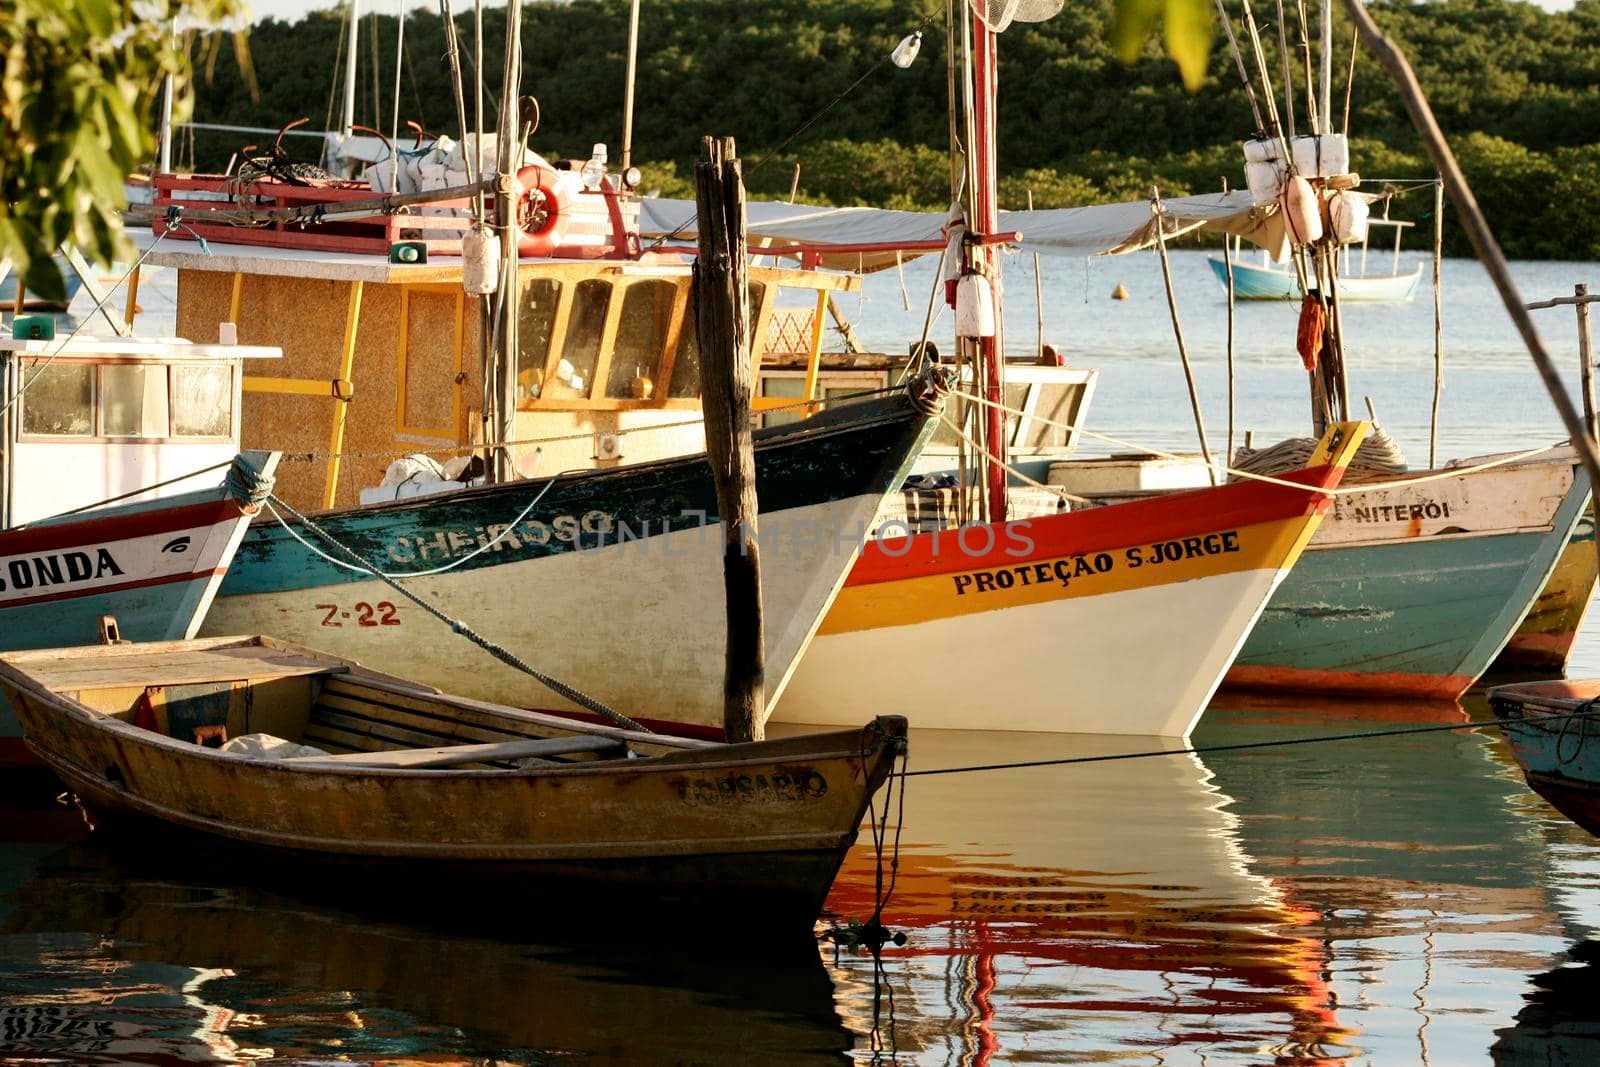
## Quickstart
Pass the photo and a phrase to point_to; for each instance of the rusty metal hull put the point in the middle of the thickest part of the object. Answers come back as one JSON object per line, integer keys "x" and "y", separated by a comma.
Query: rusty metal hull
{"x": 767, "y": 820}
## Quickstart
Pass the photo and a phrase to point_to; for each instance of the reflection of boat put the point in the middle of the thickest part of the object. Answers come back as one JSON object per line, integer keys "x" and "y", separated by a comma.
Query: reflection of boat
{"x": 1553, "y": 734}
{"x": 1544, "y": 641}
{"x": 1179, "y": 579}
{"x": 1557, "y": 1023}
{"x": 404, "y": 780}
{"x": 314, "y": 984}
{"x": 1073, "y": 910}
{"x": 1412, "y": 591}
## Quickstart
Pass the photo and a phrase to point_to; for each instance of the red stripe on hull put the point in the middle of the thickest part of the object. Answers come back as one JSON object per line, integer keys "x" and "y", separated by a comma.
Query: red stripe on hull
{"x": 1536, "y": 652}
{"x": 121, "y": 528}
{"x": 100, "y": 590}
{"x": 1165, "y": 517}
{"x": 1348, "y": 683}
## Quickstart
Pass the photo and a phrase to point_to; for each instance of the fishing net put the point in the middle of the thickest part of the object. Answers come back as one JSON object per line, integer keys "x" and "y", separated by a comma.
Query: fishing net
{"x": 998, "y": 14}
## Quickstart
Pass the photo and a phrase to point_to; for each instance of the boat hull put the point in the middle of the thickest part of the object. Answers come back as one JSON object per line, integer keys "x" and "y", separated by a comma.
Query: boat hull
{"x": 1412, "y": 591}
{"x": 612, "y": 582}
{"x": 1543, "y": 643}
{"x": 692, "y": 830}
{"x": 153, "y": 566}
{"x": 1098, "y": 630}
{"x": 1559, "y": 755}
{"x": 1254, "y": 282}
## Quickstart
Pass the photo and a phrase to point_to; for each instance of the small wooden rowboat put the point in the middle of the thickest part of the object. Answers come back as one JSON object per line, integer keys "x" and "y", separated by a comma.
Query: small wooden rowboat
{"x": 325, "y": 760}
{"x": 1557, "y": 748}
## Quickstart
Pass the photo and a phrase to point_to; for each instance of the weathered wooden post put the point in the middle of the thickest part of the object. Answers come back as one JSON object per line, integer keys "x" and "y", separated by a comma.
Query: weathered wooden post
{"x": 722, "y": 315}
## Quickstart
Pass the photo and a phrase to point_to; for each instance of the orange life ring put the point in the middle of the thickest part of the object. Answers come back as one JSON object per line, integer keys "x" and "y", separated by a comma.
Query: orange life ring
{"x": 543, "y": 239}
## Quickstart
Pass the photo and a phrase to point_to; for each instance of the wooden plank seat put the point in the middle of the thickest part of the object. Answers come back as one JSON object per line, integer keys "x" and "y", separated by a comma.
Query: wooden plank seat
{"x": 460, "y": 755}
{"x": 354, "y": 720}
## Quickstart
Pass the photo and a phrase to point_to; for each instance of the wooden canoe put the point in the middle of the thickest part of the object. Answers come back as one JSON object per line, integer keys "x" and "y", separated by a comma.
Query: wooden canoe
{"x": 442, "y": 790}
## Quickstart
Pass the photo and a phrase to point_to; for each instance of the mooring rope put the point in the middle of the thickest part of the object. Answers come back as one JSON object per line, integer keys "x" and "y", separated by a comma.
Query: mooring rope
{"x": 504, "y": 655}
{"x": 390, "y": 576}
{"x": 1589, "y": 709}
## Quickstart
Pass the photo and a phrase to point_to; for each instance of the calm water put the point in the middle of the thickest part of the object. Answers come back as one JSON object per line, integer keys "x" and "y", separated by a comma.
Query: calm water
{"x": 1397, "y": 901}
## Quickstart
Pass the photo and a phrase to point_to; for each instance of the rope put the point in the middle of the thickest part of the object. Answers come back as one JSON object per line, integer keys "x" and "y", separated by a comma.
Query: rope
{"x": 583, "y": 700}
{"x": 390, "y": 576}
{"x": 1203, "y": 750}
{"x": 1400, "y": 483}
{"x": 1008, "y": 468}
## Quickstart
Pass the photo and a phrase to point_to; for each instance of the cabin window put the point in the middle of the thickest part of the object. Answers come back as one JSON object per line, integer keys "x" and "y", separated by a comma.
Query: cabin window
{"x": 536, "y": 321}
{"x": 686, "y": 363}
{"x": 59, "y": 399}
{"x": 641, "y": 337}
{"x": 580, "y": 351}
{"x": 133, "y": 400}
{"x": 1057, "y": 403}
{"x": 202, "y": 401}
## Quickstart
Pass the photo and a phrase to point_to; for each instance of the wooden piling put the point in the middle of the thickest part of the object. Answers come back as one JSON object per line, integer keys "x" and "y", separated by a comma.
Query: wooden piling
{"x": 722, "y": 316}
{"x": 1227, "y": 260}
{"x": 1587, "y": 358}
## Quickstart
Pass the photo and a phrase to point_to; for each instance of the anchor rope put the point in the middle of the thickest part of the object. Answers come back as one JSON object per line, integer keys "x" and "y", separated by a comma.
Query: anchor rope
{"x": 457, "y": 626}
{"x": 390, "y": 576}
{"x": 1399, "y": 483}
{"x": 1588, "y": 710}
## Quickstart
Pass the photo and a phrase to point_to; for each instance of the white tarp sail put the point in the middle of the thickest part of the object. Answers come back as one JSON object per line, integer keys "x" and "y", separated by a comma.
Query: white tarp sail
{"x": 1101, "y": 229}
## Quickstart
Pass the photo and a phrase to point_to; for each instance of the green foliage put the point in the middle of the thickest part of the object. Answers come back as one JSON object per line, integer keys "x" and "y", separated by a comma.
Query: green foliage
{"x": 78, "y": 81}
{"x": 1514, "y": 86}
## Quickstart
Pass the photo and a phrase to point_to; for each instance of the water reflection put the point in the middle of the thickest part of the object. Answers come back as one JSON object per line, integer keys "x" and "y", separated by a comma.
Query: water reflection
{"x": 100, "y": 967}
{"x": 1095, "y": 911}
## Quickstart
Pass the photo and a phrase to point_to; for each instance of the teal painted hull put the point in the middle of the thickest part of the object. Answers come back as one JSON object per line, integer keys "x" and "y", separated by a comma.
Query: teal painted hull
{"x": 1422, "y": 617}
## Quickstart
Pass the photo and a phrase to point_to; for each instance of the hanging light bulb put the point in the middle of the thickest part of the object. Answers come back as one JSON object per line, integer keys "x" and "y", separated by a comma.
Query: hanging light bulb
{"x": 905, "y": 53}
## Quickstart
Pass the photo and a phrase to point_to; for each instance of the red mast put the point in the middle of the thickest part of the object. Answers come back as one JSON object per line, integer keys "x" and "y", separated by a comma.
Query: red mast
{"x": 986, "y": 210}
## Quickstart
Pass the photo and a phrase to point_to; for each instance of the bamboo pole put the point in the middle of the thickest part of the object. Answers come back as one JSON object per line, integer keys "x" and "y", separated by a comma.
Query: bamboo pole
{"x": 1038, "y": 295}
{"x": 1177, "y": 332}
{"x": 1438, "y": 323}
{"x": 505, "y": 216}
{"x": 1587, "y": 372}
{"x": 722, "y": 316}
{"x": 1477, "y": 227}
{"x": 627, "y": 91}
{"x": 1227, "y": 260}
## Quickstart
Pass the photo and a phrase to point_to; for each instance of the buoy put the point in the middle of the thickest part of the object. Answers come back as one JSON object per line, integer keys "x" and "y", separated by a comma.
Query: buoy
{"x": 1120, "y": 292}
{"x": 480, "y": 261}
{"x": 1302, "y": 213}
{"x": 974, "y": 306}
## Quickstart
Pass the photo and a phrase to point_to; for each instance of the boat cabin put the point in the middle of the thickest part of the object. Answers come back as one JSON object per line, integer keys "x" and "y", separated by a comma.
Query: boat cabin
{"x": 89, "y": 419}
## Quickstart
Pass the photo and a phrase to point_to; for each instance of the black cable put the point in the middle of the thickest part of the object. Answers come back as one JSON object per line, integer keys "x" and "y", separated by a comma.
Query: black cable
{"x": 1203, "y": 750}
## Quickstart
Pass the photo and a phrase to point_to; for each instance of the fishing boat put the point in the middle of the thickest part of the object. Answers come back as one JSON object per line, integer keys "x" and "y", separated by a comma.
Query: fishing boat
{"x": 302, "y": 756}
{"x": 124, "y": 492}
{"x": 1163, "y": 590}
{"x": 1543, "y": 643}
{"x": 1257, "y": 281}
{"x": 1413, "y": 590}
{"x": 1549, "y": 726}
{"x": 611, "y": 577}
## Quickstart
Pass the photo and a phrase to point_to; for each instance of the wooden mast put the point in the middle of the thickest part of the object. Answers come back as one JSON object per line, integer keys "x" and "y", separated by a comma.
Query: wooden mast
{"x": 507, "y": 194}
{"x": 986, "y": 221}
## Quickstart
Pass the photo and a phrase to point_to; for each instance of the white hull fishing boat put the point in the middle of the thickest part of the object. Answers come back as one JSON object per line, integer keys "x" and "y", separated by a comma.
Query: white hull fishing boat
{"x": 1163, "y": 591}
{"x": 124, "y": 494}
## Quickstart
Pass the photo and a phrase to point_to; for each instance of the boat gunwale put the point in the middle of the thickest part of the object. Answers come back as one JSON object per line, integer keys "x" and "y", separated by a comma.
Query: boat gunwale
{"x": 696, "y": 755}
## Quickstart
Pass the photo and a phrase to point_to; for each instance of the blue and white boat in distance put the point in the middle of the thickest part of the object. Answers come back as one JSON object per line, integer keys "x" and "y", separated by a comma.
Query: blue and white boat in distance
{"x": 124, "y": 493}
{"x": 1254, "y": 281}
